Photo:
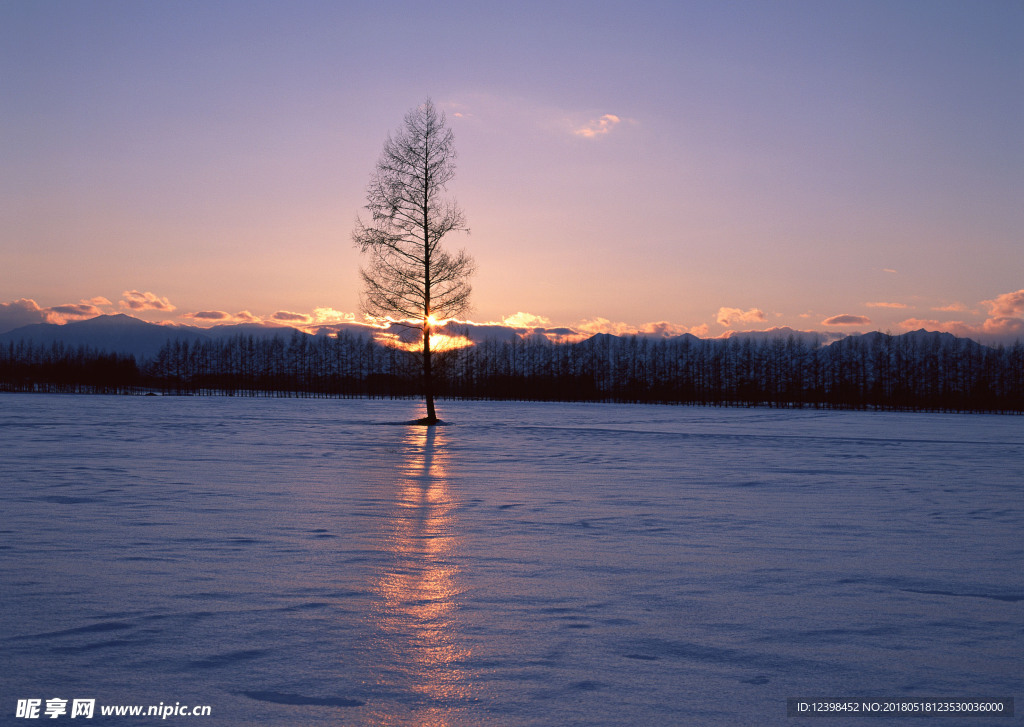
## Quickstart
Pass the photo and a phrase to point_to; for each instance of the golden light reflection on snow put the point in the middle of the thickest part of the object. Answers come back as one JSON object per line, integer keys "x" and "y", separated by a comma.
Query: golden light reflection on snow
{"x": 419, "y": 592}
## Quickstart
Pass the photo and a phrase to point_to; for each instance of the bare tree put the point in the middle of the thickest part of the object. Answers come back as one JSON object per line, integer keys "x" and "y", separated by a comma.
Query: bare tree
{"x": 409, "y": 275}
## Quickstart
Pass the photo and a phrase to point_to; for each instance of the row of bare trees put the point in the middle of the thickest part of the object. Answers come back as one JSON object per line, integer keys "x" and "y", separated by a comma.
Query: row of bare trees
{"x": 913, "y": 371}
{"x": 58, "y": 368}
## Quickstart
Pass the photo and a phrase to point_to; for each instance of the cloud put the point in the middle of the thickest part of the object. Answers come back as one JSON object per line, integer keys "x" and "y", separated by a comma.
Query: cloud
{"x": 888, "y": 270}
{"x": 18, "y": 313}
{"x": 478, "y": 332}
{"x": 996, "y": 329}
{"x": 222, "y": 317}
{"x": 285, "y": 316}
{"x": 887, "y": 305}
{"x": 25, "y": 311}
{"x": 662, "y": 329}
{"x": 593, "y": 326}
{"x": 61, "y": 314}
{"x": 1005, "y": 322}
{"x": 526, "y": 320}
{"x": 245, "y": 316}
{"x": 521, "y": 326}
{"x": 728, "y": 316}
{"x": 597, "y": 127}
{"x": 134, "y": 300}
{"x": 1007, "y": 305}
{"x": 652, "y": 329}
{"x": 1004, "y": 326}
{"x": 327, "y": 316}
{"x": 957, "y": 328}
{"x": 846, "y": 319}
{"x": 209, "y": 315}
{"x": 951, "y": 308}
{"x": 322, "y": 320}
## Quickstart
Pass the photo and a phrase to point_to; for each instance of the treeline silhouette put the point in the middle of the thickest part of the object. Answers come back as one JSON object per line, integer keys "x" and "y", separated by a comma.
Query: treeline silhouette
{"x": 916, "y": 371}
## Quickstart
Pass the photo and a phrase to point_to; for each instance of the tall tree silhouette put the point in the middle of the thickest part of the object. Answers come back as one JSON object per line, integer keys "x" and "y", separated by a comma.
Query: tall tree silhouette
{"x": 409, "y": 275}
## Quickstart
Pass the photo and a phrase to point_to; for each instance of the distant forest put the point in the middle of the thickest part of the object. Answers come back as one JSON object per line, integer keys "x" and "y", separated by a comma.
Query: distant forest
{"x": 915, "y": 371}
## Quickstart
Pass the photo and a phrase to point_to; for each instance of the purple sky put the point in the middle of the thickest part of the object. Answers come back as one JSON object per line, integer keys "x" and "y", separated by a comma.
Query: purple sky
{"x": 713, "y": 166}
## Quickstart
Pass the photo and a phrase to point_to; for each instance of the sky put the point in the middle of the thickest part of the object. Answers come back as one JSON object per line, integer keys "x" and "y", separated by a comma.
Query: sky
{"x": 660, "y": 167}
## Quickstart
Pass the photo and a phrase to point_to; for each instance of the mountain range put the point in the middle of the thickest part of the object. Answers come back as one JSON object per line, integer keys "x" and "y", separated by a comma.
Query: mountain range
{"x": 126, "y": 335}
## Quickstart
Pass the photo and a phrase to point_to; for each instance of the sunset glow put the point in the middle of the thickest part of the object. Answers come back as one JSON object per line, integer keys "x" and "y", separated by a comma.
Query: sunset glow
{"x": 725, "y": 171}
{"x": 439, "y": 342}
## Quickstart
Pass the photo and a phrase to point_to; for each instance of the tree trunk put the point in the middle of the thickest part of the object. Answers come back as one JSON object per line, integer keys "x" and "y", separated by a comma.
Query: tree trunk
{"x": 428, "y": 377}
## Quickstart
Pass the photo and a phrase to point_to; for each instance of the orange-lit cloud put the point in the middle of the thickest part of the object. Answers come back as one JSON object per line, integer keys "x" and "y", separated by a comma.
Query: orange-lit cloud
{"x": 602, "y": 325}
{"x": 728, "y": 316}
{"x": 325, "y": 316}
{"x": 134, "y": 300}
{"x": 653, "y": 329}
{"x": 526, "y": 320}
{"x": 1007, "y": 305}
{"x": 1005, "y": 321}
{"x": 1004, "y": 326}
{"x": 887, "y": 305}
{"x": 25, "y": 311}
{"x": 597, "y": 127}
{"x": 662, "y": 329}
{"x": 951, "y": 308}
{"x": 72, "y": 312}
{"x": 958, "y": 328}
{"x": 845, "y": 319}
{"x": 1000, "y": 328}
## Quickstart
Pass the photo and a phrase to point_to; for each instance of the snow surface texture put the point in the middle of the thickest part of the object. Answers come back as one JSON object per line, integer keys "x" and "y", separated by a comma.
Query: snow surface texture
{"x": 316, "y": 562}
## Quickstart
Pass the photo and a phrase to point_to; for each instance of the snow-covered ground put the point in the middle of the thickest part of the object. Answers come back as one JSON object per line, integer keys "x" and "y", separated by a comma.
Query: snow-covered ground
{"x": 295, "y": 562}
